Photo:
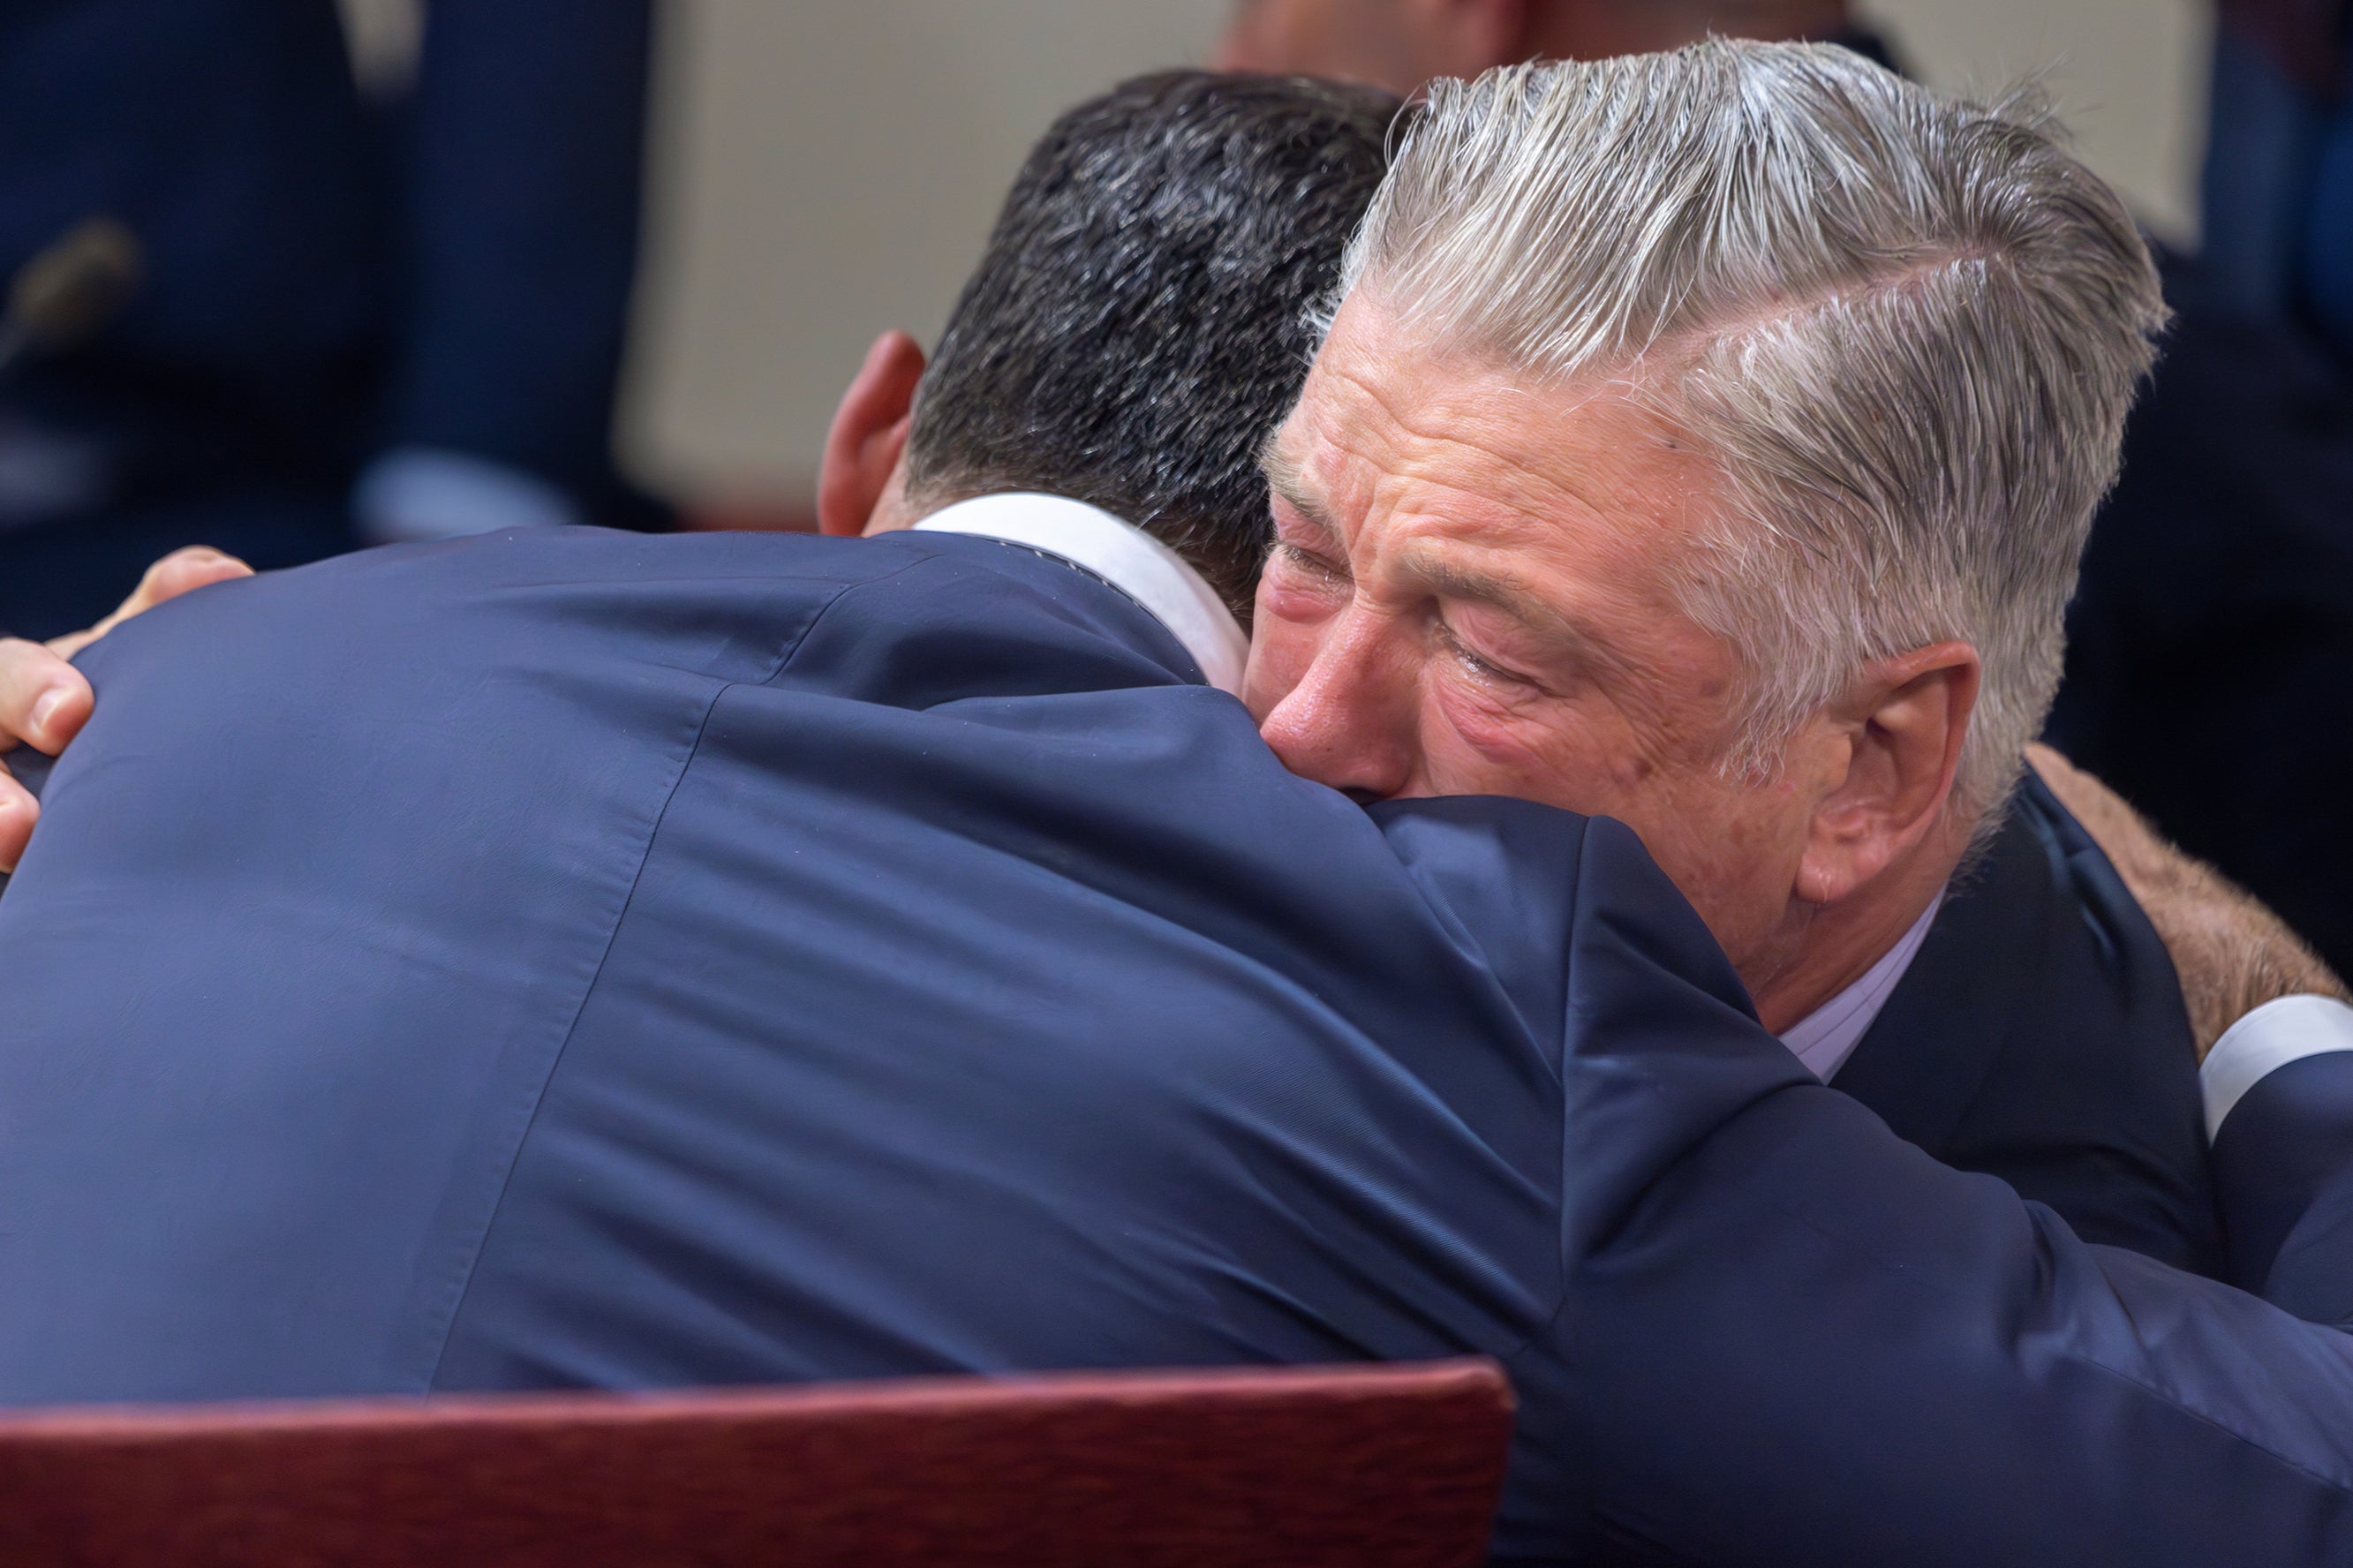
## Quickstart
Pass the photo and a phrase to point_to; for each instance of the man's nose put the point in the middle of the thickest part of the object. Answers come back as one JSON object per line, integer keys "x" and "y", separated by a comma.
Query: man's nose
{"x": 1349, "y": 722}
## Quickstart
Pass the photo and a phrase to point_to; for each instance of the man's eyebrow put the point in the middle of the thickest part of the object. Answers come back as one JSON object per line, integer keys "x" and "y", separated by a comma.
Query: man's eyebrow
{"x": 1451, "y": 580}
{"x": 1288, "y": 483}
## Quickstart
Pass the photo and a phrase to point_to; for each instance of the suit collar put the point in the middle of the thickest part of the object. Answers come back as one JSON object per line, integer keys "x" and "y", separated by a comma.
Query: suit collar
{"x": 1825, "y": 1037}
{"x": 1934, "y": 1042}
{"x": 1122, "y": 554}
{"x": 2041, "y": 1037}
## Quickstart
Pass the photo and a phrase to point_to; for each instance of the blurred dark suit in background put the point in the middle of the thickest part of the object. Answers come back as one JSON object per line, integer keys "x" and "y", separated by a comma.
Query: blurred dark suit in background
{"x": 2210, "y": 670}
{"x": 328, "y": 281}
{"x": 2209, "y": 661}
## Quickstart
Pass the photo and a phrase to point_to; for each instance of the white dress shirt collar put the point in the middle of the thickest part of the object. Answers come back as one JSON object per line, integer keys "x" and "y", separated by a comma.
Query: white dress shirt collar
{"x": 1122, "y": 554}
{"x": 1825, "y": 1037}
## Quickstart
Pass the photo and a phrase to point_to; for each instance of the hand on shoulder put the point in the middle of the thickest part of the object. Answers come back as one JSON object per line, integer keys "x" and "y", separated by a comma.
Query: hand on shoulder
{"x": 45, "y": 700}
{"x": 2231, "y": 952}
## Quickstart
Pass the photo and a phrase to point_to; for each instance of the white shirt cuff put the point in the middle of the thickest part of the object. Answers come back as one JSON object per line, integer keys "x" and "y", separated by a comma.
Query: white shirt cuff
{"x": 2265, "y": 1040}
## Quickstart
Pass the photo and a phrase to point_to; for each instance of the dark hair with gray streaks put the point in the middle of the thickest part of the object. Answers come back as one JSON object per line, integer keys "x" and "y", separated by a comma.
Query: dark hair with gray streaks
{"x": 1907, "y": 327}
{"x": 1139, "y": 323}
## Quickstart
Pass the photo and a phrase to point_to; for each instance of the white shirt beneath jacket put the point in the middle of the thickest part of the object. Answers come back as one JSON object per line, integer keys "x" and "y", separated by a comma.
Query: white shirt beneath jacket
{"x": 1157, "y": 578}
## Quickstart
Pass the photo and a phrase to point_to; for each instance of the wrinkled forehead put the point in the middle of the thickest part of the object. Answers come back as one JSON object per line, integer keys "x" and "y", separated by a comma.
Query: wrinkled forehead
{"x": 1387, "y": 419}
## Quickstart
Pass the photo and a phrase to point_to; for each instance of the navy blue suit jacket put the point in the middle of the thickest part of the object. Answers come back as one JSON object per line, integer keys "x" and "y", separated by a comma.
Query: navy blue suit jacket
{"x": 2285, "y": 1157}
{"x": 2040, "y": 1036}
{"x": 581, "y": 959}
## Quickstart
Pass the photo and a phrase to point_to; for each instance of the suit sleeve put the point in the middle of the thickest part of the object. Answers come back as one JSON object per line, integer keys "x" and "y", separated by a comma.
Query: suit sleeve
{"x": 32, "y": 769}
{"x": 1798, "y": 1339}
{"x": 2279, "y": 1096}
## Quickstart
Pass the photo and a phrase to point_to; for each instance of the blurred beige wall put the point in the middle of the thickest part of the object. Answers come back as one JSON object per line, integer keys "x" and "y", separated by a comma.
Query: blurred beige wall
{"x": 827, "y": 169}
{"x": 2129, "y": 76}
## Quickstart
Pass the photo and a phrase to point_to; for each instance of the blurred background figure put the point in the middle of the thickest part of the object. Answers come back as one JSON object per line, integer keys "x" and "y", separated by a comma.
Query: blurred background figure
{"x": 359, "y": 313}
{"x": 2209, "y": 673}
{"x": 1400, "y": 44}
{"x": 2278, "y": 189}
{"x": 2211, "y": 662}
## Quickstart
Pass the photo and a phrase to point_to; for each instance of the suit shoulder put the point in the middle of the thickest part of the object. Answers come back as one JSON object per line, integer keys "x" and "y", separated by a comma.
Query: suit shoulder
{"x": 1627, "y": 908}
{"x": 958, "y": 615}
{"x": 725, "y": 606}
{"x": 2081, "y": 875}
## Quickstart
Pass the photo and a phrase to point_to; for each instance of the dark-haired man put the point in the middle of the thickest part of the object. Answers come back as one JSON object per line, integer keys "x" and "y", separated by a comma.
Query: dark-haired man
{"x": 578, "y": 898}
{"x": 625, "y": 963}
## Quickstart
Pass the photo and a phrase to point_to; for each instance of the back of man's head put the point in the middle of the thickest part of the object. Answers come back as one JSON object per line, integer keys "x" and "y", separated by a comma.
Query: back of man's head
{"x": 1907, "y": 328}
{"x": 1140, "y": 320}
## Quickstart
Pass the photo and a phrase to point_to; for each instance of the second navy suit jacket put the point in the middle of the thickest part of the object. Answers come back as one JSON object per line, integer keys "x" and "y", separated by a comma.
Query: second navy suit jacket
{"x": 2287, "y": 1153}
{"x": 2040, "y": 1036}
{"x": 585, "y": 959}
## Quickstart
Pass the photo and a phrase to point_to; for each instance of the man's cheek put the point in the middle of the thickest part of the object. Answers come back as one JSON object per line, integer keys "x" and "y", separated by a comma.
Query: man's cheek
{"x": 1727, "y": 859}
{"x": 1477, "y": 743}
{"x": 1281, "y": 654}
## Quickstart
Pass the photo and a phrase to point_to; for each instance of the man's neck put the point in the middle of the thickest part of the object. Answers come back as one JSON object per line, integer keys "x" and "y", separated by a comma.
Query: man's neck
{"x": 1121, "y": 554}
{"x": 1836, "y": 944}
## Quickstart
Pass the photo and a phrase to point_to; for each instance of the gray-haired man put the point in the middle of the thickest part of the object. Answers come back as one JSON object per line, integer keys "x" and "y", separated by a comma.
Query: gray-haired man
{"x": 2030, "y": 1026}
{"x": 1709, "y": 440}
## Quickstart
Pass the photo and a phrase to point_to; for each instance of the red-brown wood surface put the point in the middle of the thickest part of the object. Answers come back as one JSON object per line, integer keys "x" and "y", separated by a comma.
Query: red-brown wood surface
{"x": 1367, "y": 1468}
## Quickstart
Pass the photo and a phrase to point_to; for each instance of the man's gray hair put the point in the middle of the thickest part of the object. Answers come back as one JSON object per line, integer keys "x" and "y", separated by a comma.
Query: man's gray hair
{"x": 1906, "y": 327}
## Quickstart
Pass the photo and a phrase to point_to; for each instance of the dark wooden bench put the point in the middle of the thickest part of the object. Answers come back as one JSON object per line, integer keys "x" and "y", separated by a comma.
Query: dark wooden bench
{"x": 1365, "y": 1467}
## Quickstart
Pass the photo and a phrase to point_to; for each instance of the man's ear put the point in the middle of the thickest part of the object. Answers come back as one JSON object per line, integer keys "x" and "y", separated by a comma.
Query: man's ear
{"x": 1904, "y": 724}
{"x": 869, "y": 433}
